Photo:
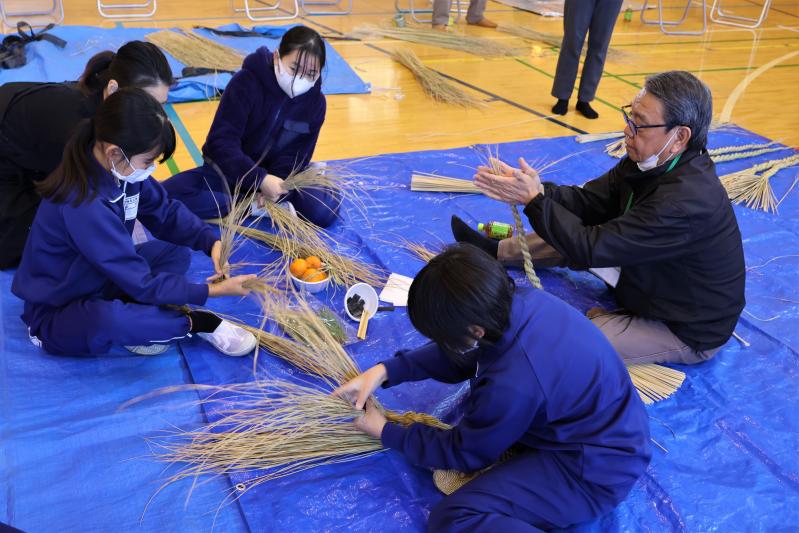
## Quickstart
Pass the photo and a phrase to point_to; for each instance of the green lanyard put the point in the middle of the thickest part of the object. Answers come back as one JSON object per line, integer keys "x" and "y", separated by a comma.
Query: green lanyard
{"x": 671, "y": 167}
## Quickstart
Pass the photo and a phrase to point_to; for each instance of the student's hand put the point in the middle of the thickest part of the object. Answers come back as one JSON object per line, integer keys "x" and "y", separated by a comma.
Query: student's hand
{"x": 515, "y": 186}
{"x": 272, "y": 188}
{"x": 372, "y": 422}
{"x": 358, "y": 390}
{"x": 220, "y": 270}
{"x": 231, "y": 286}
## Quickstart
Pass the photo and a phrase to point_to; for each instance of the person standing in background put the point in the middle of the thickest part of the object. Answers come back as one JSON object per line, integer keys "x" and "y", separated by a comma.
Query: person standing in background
{"x": 596, "y": 18}
{"x": 474, "y": 16}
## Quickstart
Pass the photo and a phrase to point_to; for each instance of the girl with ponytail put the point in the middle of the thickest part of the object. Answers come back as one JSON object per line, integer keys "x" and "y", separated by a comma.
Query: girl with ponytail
{"x": 85, "y": 285}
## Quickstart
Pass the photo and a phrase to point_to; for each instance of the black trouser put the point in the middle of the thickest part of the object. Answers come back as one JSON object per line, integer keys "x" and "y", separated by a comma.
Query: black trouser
{"x": 18, "y": 204}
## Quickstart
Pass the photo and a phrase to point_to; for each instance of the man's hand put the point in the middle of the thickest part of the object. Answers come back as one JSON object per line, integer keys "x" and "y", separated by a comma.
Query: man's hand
{"x": 514, "y": 186}
{"x": 272, "y": 188}
{"x": 357, "y": 390}
{"x": 373, "y": 422}
{"x": 220, "y": 270}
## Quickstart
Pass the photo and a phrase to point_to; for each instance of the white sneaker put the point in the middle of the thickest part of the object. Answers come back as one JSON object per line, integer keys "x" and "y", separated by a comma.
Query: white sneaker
{"x": 231, "y": 339}
{"x": 149, "y": 349}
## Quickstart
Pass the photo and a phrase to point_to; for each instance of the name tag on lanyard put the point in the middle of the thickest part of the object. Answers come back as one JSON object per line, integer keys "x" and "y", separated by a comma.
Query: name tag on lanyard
{"x": 131, "y": 204}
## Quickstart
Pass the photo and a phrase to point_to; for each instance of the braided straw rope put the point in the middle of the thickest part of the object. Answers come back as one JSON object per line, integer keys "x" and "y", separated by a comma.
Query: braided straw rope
{"x": 528, "y": 258}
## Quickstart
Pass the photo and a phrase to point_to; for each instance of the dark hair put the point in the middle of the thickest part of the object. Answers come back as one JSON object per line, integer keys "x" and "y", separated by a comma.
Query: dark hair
{"x": 686, "y": 102}
{"x": 461, "y": 287}
{"x": 308, "y": 43}
{"x": 135, "y": 64}
{"x": 131, "y": 119}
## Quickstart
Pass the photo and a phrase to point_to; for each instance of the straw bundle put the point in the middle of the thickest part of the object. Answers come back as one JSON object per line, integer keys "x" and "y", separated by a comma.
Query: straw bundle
{"x": 434, "y": 84}
{"x": 655, "y": 382}
{"x": 424, "y": 182}
{"x": 592, "y": 137}
{"x": 195, "y": 51}
{"x": 342, "y": 270}
{"x": 752, "y": 186}
{"x": 275, "y": 429}
{"x": 452, "y": 41}
{"x": 554, "y": 40}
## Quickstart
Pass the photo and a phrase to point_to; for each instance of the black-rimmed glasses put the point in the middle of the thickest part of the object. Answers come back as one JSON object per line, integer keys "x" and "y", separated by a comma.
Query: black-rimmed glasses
{"x": 635, "y": 127}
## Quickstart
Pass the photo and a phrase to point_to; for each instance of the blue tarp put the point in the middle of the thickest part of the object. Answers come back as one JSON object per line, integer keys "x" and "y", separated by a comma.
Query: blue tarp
{"x": 46, "y": 62}
{"x": 730, "y": 431}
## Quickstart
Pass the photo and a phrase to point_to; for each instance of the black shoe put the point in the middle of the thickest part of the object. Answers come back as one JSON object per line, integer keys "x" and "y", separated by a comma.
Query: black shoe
{"x": 463, "y": 233}
{"x": 586, "y": 110}
{"x": 561, "y": 107}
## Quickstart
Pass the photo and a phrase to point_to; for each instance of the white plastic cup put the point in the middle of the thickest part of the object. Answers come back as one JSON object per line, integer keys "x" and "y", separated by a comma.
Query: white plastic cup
{"x": 367, "y": 294}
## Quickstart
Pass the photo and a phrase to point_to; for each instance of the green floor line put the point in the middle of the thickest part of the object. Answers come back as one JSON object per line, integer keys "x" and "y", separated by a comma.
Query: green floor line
{"x": 701, "y": 71}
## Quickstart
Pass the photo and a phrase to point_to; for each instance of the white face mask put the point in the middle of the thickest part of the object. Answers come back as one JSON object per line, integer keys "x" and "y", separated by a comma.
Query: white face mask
{"x": 652, "y": 161}
{"x": 138, "y": 174}
{"x": 292, "y": 85}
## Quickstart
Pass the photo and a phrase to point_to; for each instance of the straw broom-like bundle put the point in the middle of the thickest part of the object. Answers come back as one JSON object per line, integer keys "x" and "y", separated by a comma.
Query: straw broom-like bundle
{"x": 424, "y": 182}
{"x": 551, "y": 39}
{"x": 195, "y": 51}
{"x": 453, "y": 41}
{"x": 752, "y": 186}
{"x": 434, "y": 84}
{"x": 655, "y": 382}
{"x": 276, "y": 428}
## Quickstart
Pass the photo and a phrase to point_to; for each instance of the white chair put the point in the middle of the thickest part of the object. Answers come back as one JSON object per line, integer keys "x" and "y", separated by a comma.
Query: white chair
{"x": 664, "y": 24}
{"x": 121, "y": 11}
{"x": 718, "y": 16}
{"x": 414, "y": 12}
{"x": 37, "y": 16}
{"x": 332, "y": 3}
{"x": 272, "y": 11}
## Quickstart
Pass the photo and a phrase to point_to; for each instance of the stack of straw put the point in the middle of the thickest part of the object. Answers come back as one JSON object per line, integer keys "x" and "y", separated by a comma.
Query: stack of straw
{"x": 452, "y": 41}
{"x": 425, "y": 182}
{"x": 752, "y": 186}
{"x": 655, "y": 382}
{"x": 195, "y": 51}
{"x": 434, "y": 84}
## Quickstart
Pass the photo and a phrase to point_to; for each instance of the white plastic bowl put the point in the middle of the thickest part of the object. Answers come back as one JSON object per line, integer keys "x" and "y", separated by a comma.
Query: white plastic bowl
{"x": 367, "y": 294}
{"x": 312, "y": 287}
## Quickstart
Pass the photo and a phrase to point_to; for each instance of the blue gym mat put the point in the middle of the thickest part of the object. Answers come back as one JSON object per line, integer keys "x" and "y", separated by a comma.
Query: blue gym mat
{"x": 46, "y": 62}
{"x": 730, "y": 432}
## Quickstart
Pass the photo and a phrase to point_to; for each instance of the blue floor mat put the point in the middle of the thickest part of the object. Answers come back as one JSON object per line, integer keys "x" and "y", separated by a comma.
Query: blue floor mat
{"x": 730, "y": 432}
{"x": 48, "y": 63}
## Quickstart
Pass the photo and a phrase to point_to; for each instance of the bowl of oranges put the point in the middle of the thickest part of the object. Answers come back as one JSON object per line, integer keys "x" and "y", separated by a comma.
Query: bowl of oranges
{"x": 308, "y": 274}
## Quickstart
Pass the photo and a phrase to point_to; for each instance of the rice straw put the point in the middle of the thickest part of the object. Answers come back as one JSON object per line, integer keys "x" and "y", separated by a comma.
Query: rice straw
{"x": 434, "y": 84}
{"x": 452, "y": 41}
{"x": 196, "y": 51}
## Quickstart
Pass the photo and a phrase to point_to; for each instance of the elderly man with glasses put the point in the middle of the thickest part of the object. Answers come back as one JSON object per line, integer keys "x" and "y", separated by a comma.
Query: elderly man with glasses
{"x": 660, "y": 214}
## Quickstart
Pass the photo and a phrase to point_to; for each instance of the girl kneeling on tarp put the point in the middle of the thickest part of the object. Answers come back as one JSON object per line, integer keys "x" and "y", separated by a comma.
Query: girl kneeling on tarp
{"x": 544, "y": 380}
{"x": 85, "y": 285}
{"x": 266, "y": 126}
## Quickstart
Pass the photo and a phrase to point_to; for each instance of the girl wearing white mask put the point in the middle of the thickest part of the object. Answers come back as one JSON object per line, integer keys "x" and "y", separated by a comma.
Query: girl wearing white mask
{"x": 266, "y": 126}
{"x": 85, "y": 285}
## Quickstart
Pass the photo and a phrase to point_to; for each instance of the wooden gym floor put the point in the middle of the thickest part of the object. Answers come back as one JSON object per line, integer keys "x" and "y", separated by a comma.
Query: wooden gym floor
{"x": 398, "y": 117}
